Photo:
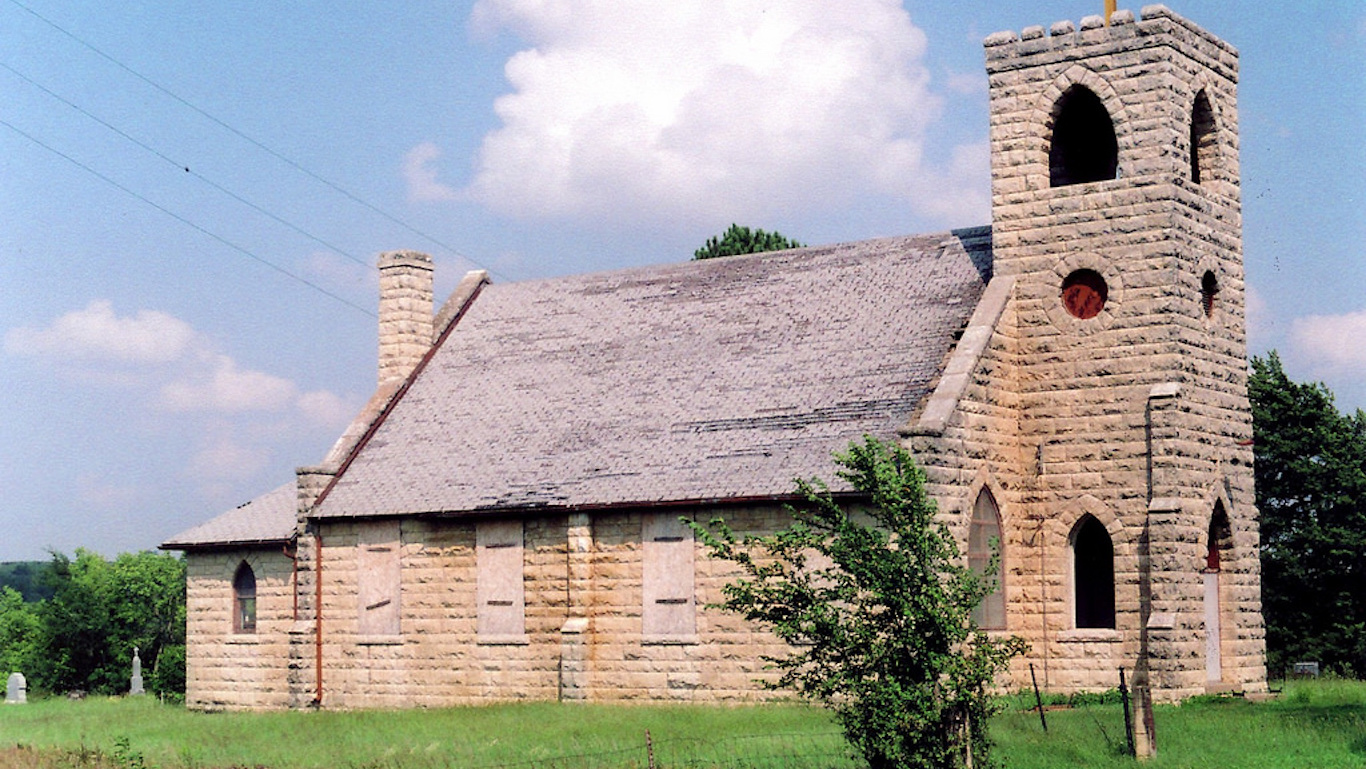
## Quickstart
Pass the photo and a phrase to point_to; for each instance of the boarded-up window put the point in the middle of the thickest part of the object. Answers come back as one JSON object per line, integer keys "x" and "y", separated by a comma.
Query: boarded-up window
{"x": 377, "y": 577}
{"x": 500, "y": 590}
{"x": 669, "y": 612}
{"x": 984, "y": 540}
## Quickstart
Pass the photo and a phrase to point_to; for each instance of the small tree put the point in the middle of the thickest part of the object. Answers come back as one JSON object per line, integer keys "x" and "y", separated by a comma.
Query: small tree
{"x": 741, "y": 240}
{"x": 879, "y": 613}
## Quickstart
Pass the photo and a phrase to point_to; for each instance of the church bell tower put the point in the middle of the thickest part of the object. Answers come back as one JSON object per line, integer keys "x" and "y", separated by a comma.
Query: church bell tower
{"x": 1116, "y": 210}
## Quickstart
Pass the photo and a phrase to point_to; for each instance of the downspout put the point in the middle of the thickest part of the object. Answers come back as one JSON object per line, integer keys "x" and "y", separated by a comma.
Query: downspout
{"x": 318, "y": 618}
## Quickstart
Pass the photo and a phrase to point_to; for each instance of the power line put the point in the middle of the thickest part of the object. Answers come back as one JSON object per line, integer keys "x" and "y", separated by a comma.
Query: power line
{"x": 186, "y": 168}
{"x": 245, "y": 252}
{"x": 334, "y": 186}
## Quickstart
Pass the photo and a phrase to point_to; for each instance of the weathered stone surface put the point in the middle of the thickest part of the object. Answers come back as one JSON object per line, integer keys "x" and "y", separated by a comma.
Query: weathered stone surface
{"x": 16, "y": 689}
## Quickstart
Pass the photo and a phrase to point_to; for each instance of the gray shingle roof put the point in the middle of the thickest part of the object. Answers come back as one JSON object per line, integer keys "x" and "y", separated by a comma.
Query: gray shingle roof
{"x": 270, "y": 517}
{"x": 720, "y": 379}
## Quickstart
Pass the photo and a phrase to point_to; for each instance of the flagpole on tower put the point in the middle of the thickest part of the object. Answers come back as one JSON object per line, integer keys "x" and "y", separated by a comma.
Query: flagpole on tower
{"x": 1109, "y": 9}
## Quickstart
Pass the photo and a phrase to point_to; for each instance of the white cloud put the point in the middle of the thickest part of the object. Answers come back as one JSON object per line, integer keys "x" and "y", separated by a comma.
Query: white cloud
{"x": 1331, "y": 343}
{"x": 1259, "y": 318}
{"x": 326, "y": 409}
{"x": 96, "y": 333}
{"x": 222, "y": 386}
{"x": 421, "y": 177}
{"x": 343, "y": 273}
{"x": 967, "y": 83}
{"x": 226, "y": 459}
{"x": 730, "y": 110}
{"x": 101, "y": 494}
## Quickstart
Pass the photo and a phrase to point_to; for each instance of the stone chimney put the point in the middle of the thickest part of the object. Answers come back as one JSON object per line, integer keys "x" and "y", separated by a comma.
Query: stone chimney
{"x": 405, "y": 313}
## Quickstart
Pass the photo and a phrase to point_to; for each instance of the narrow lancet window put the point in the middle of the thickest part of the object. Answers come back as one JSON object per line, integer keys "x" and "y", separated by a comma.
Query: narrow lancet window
{"x": 244, "y": 600}
{"x": 1202, "y": 138}
{"x": 984, "y": 540}
{"x": 1093, "y": 575}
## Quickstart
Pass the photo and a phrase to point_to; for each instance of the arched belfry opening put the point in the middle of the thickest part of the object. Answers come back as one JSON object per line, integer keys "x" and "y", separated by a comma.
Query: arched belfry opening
{"x": 1083, "y": 147}
{"x": 1202, "y": 139}
{"x": 1093, "y": 575}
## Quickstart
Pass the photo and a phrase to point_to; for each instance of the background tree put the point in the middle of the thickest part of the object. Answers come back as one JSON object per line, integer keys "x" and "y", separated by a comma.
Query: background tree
{"x": 741, "y": 240}
{"x": 879, "y": 613}
{"x": 27, "y": 577}
{"x": 1311, "y": 493}
{"x": 20, "y": 632}
{"x": 100, "y": 610}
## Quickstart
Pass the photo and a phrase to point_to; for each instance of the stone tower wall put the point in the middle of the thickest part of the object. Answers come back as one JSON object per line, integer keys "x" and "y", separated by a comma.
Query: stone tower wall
{"x": 1138, "y": 416}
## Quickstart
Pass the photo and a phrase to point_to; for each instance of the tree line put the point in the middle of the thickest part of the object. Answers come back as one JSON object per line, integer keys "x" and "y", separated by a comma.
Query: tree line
{"x": 81, "y": 635}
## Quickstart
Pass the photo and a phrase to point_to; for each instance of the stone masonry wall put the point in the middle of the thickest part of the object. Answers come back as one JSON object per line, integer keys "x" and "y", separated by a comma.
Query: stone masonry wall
{"x": 237, "y": 671}
{"x": 438, "y": 659}
{"x": 1137, "y": 416}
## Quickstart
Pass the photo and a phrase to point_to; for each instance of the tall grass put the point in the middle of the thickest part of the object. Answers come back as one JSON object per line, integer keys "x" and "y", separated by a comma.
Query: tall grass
{"x": 523, "y": 735}
{"x": 1312, "y": 725}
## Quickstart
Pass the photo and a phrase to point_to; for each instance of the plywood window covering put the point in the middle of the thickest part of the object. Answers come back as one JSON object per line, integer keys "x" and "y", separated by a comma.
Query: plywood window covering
{"x": 377, "y": 576}
{"x": 984, "y": 539}
{"x": 500, "y": 589}
{"x": 669, "y": 610}
{"x": 244, "y": 599}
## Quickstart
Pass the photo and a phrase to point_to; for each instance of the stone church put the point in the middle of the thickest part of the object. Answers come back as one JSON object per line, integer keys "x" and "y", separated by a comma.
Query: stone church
{"x": 502, "y": 520}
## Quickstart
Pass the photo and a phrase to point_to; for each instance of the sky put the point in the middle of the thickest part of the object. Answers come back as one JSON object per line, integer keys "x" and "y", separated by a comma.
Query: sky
{"x": 193, "y": 194}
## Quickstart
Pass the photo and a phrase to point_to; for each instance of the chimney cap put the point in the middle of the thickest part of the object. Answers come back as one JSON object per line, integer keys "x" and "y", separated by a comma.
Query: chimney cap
{"x": 404, "y": 258}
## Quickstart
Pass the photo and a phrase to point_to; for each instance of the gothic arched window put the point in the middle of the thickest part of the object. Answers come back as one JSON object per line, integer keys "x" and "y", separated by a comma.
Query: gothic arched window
{"x": 1093, "y": 575}
{"x": 1202, "y": 138}
{"x": 984, "y": 539}
{"x": 244, "y": 600}
{"x": 1083, "y": 146}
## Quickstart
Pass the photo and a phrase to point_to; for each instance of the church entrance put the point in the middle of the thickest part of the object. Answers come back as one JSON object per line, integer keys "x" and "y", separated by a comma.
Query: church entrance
{"x": 1217, "y": 540}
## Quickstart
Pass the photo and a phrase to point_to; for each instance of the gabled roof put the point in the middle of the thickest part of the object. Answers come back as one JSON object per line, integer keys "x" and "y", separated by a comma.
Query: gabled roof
{"x": 716, "y": 380}
{"x": 268, "y": 519}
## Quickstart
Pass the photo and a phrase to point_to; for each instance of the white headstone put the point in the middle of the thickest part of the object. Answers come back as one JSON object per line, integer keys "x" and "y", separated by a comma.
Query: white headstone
{"x": 135, "y": 686}
{"x": 16, "y": 690}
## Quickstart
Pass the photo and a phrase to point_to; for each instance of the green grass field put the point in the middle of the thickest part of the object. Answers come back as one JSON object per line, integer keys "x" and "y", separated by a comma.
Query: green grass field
{"x": 1319, "y": 724}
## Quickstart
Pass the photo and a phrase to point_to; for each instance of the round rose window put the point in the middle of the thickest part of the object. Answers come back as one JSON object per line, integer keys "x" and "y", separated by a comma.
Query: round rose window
{"x": 1084, "y": 293}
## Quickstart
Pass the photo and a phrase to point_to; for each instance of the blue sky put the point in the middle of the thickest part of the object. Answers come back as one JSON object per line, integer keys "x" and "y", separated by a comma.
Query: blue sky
{"x": 186, "y": 307}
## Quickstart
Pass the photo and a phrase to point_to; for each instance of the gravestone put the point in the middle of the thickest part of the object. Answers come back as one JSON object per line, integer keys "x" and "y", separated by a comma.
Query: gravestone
{"x": 16, "y": 690}
{"x": 135, "y": 686}
{"x": 1306, "y": 670}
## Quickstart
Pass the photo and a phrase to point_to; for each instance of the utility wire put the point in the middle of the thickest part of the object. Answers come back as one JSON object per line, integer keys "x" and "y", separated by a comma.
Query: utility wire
{"x": 187, "y": 222}
{"x": 244, "y": 136}
{"x": 186, "y": 168}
